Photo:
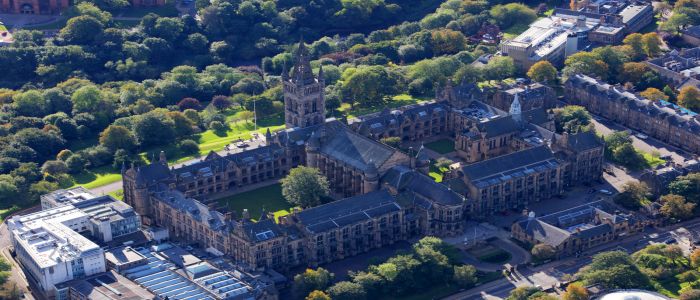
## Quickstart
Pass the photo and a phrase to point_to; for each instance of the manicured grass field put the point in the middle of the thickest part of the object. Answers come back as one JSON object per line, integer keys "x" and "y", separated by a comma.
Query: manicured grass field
{"x": 490, "y": 254}
{"x": 435, "y": 172}
{"x": 652, "y": 160}
{"x": 269, "y": 197}
{"x": 97, "y": 177}
{"x": 442, "y": 146}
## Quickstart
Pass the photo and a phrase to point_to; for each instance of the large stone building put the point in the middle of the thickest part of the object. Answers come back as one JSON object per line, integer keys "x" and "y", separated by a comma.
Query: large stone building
{"x": 576, "y": 229}
{"x": 662, "y": 120}
{"x": 385, "y": 194}
{"x": 678, "y": 68}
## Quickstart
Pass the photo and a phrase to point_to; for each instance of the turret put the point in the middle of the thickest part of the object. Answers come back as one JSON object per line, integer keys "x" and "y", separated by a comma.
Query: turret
{"x": 162, "y": 158}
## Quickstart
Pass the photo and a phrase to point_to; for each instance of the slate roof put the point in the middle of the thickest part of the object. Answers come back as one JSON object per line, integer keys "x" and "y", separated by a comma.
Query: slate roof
{"x": 404, "y": 179}
{"x": 544, "y": 233}
{"x": 198, "y": 210}
{"x": 381, "y": 121}
{"x": 584, "y": 141}
{"x": 347, "y": 211}
{"x": 262, "y": 230}
{"x": 150, "y": 173}
{"x": 693, "y": 31}
{"x": 499, "y": 126}
{"x": 356, "y": 150}
{"x": 520, "y": 160}
{"x": 536, "y": 116}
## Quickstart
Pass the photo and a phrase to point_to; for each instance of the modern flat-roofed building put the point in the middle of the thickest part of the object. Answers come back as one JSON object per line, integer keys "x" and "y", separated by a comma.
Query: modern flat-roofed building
{"x": 65, "y": 197}
{"x": 102, "y": 286}
{"x": 51, "y": 250}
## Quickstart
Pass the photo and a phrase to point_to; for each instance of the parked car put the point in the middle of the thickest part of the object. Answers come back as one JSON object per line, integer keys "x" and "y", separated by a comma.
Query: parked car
{"x": 670, "y": 241}
{"x": 606, "y": 192}
{"x": 641, "y": 136}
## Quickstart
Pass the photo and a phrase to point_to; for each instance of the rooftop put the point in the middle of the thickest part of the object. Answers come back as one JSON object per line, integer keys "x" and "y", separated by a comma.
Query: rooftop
{"x": 107, "y": 286}
{"x": 505, "y": 167}
{"x": 68, "y": 196}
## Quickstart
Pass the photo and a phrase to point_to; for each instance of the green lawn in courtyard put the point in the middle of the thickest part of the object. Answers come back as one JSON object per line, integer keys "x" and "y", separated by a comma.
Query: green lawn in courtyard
{"x": 118, "y": 194}
{"x": 490, "y": 254}
{"x": 435, "y": 172}
{"x": 442, "y": 146}
{"x": 269, "y": 197}
{"x": 396, "y": 101}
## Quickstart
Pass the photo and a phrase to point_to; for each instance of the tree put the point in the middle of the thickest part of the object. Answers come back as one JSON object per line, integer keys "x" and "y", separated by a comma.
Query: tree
{"x": 675, "y": 206}
{"x": 632, "y": 195}
{"x": 8, "y": 191}
{"x": 634, "y": 41}
{"x": 653, "y": 94}
{"x": 221, "y": 102}
{"x": 311, "y": 280}
{"x": 571, "y": 119}
{"x": 118, "y": 137}
{"x": 318, "y": 295}
{"x": 542, "y": 71}
{"x": 695, "y": 258}
{"x": 651, "y": 43}
{"x": 543, "y": 252}
{"x": 30, "y": 103}
{"x": 76, "y": 164}
{"x": 614, "y": 270}
{"x": 54, "y": 167}
{"x": 189, "y": 103}
{"x": 465, "y": 276}
{"x": 575, "y": 291}
{"x": 676, "y": 23}
{"x": 369, "y": 85}
{"x": 522, "y": 293}
{"x": 447, "y": 41}
{"x": 586, "y": 63}
{"x": 512, "y": 14}
{"x": 81, "y": 30}
{"x": 689, "y": 97}
{"x": 691, "y": 294}
{"x": 346, "y": 290}
{"x": 304, "y": 186}
{"x": 188, "y": 147}
{"x": 687, "y": 186}
{"x": 370, "y": 281}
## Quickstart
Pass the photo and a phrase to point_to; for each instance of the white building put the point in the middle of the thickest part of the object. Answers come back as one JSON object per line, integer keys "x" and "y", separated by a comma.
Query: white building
{"x": 50, "y": 244}
{"x": 50, "y": 248}
{"x": 64, "y": 197}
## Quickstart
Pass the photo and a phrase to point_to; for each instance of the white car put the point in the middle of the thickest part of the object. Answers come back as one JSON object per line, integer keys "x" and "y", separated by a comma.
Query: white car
{"x": 605, "y": 192}
{"x": 641, "y": 136}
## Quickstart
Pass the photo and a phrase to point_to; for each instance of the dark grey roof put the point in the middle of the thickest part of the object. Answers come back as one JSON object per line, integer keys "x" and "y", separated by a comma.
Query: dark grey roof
{"x": 151, "y": 173}
{"x": 262, "y": 230}
{"x": 499, "y": 126}
{"x": 583, "y": 141}
{"x": 693, "y": 31}
{"x": 354, "y": 149}
{"x": 536, "y": 116}
{"x": 404, "y": 179}
{"x": 347, "y": 211}
{"x": 520, "y": 160}
{"x": 544, "y": 233}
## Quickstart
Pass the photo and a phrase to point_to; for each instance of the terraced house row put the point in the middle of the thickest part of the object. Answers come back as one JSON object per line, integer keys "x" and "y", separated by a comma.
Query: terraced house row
{"x": 660, "y": 119}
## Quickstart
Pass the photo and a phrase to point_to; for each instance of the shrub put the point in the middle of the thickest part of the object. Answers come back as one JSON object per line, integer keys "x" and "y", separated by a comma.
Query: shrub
{"x": 189, "y": 147}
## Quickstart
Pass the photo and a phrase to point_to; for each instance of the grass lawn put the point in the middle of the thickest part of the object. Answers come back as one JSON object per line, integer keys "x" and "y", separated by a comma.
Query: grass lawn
{"x": 442, "y": 146}
{"x": 490, "y": 254}
{"x": 7, "y": 211}
{"x": 97, "y": 177}
{"x": 269, "y": 197}
{"x": 651, "y": 160}
{"x": 514, "y": 31}
{"x": 118, "y": 194}
{"x": 396, "y": 101}
{"x": 167, "y": 10}
{"x": 669, "y": 287}
{"x": 435, "y": 173}
{"x": 207, "y": 140}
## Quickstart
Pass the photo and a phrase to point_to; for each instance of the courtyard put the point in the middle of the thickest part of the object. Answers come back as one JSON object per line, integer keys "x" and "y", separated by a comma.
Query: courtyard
{"x": 269, "y": 198}
{"x": 442, "y": 146}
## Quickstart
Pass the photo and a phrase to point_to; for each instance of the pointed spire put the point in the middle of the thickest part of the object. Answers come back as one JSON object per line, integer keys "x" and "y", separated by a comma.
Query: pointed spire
{"x": 163, "y": 159}
{"x": 320, "y": 72}
{"x": 515, "y": 108}
{"x": 302, "y": 73}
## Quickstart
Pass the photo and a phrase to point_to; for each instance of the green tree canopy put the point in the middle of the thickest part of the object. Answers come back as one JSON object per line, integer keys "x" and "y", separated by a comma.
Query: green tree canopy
{"x": 304, "y": 186}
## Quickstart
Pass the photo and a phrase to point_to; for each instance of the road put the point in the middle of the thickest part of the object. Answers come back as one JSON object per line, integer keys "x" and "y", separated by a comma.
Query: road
{"x": 548, "y": 274}
{"x": 16, "y": 274}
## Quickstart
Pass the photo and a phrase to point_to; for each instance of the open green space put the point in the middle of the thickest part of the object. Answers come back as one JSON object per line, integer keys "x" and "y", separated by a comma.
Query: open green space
{"x": 396, "y": 101}
{"x": 514, "y": 31}
{"x": 652, "y": 160}
{"x": 208, "y": 141}
{"x": 442, "y": 146}
{"x": 270, "y": 198}
{"x": 118, "y": 194}
{"x": 490, "y": 254}
{"x": 435, "y": 172}
{"x": 4, "y": 213}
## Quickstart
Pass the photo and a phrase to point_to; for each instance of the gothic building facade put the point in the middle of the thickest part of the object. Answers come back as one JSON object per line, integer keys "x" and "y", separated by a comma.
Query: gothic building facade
{"x": 511, "y": 158}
